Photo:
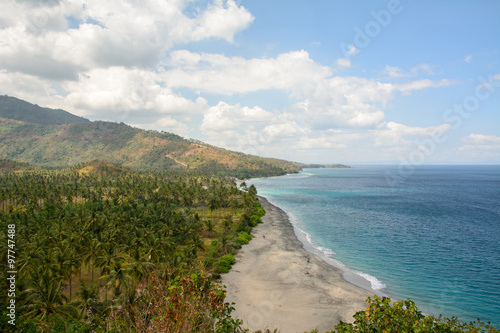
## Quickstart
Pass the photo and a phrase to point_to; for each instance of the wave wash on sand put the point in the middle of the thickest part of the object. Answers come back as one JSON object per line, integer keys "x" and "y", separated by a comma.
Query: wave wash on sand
{"x": 276, "y": 283}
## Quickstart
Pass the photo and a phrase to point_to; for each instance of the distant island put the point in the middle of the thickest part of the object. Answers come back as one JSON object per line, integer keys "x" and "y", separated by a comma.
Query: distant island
{"x": 325, "y": 166}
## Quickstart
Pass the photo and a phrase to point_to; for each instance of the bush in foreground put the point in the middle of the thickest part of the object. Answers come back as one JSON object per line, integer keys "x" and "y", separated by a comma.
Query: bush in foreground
{"x": 404, "y": 316}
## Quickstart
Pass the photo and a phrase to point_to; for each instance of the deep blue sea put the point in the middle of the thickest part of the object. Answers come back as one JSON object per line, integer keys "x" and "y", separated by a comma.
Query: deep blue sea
{"x": 430, "y": 233}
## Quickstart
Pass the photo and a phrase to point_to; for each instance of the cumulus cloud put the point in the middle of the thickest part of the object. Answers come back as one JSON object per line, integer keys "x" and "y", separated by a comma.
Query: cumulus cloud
{"x": 106, "y": 33}
{"x": 128, "y": 92}
{"x": 224, "y": 116}
{"x": 101, "y": 58}
{"x": 251, "y": 130}
{"x": 326, "y": 101}
{"x": 218, "y": 74}
{"x": 257, "y": 131}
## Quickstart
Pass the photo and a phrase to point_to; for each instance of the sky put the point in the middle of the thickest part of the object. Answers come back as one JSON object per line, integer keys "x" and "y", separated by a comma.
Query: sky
{"x": 406, "y": 82}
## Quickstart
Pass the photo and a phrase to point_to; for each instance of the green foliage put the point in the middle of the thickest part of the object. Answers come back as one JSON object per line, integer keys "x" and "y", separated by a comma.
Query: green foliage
{"x": 244, "y": 238}
{"x": 404, "y": 316}
{"x": 225, "y": 263}
{"x": 259, "y": 211}
{"x": 209, "y": 223}
{"x": 255, "y": 219}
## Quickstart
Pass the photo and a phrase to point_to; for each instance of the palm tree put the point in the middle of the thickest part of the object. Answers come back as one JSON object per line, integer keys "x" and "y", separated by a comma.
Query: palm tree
{"x": 248, "y": 202}
{"x": 213, "y": 204}
{"x": 94, "y": 250}
{"x": 139, "y": 267}
{"x": 105, "y": 260}
{"x": 88, "y": 297}
{"x": 43, "y": 297}
{"x": 118, "y": 275}
{"x": 233, "y": 204}
{"x": 71, "y": 264}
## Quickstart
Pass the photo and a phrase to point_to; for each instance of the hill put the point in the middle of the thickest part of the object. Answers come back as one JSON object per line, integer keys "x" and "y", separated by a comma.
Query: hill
{"x": 14, "y": 166}
{"x": 17, "y": 109}
{"x": 44, "y": 142}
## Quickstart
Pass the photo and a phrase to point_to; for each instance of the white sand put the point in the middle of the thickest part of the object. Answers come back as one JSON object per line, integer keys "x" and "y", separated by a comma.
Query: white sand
{"x": 274, "y": 285}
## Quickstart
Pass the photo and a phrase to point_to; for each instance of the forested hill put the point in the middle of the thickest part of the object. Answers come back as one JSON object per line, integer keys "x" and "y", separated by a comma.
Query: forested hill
{"x": 53, "y": 138}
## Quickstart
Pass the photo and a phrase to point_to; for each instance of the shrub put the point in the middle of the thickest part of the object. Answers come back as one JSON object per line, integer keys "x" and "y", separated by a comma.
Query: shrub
{"x": 255, "y": 220}
{"x": 188, "y": 303}
{"x": 243, "y": 238}
{"x": 259, "y": 211}
{"x": 225, "y": 263}
{"x": 404, "y": 316}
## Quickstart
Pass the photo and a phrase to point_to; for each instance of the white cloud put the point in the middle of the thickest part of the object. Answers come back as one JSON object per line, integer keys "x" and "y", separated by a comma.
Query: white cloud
{"x": 404, "y": 137}
{"x": 233, "y": 117}
{"x": 468, "y": 59}
{"x": 251, "y": 130}
{"x": 343, "y": 62}
{"x": 288, "y": 129}
{"x": 218, "y": 74}
{"x": 344, "y": 102}
{"x": 483, "y": 147}
{"x": 222, "y": 21}
{"x": 109, "y": 33}
{"x": 172, "y": 125}
{"x": 396, "y": 72}
{"x": 128, "y": 92}
{"x": 480, "y": 139}
{"x": 352, "y": 50}
{"x": 423, "y": 84}
{"x": 326, "y": 101}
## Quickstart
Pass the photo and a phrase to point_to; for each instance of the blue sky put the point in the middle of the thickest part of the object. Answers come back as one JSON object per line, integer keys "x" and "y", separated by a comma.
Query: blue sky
{"x": 356, "y": 82}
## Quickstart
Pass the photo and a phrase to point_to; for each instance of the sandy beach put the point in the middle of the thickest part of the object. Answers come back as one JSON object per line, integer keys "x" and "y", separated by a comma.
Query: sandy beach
{"x": 275, "y": 283}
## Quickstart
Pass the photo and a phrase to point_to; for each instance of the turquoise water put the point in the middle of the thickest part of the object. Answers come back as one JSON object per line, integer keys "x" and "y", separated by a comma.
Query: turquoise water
{"x": 431, "y": 233}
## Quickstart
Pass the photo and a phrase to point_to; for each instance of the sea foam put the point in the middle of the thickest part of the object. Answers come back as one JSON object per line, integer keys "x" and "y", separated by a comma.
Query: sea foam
{"x": 375, "y": 283}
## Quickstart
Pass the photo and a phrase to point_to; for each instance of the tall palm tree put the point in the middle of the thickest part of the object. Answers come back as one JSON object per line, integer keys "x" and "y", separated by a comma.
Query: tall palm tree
{"x": 43, "y": 297}
{"x": 138, "y": 265}
{"x": 92, "y": 253}
{"x": 104, "y": 261}
{"x": 71, "y": 264}
{"x": 88, "y": 298}
{"x": 118, "y": 275}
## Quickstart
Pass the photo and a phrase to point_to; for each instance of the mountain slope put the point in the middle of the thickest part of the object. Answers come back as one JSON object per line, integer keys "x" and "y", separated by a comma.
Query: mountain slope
{"x": 69, "y": 144}
{"x": 17, "y": 109}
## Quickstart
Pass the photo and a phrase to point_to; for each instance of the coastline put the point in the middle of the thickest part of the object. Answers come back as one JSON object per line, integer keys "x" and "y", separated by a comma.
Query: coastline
{"x": 276, "y": 283}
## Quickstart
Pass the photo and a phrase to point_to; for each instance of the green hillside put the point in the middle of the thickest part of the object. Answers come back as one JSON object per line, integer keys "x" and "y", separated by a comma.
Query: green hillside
{"x": 44, "y": 143}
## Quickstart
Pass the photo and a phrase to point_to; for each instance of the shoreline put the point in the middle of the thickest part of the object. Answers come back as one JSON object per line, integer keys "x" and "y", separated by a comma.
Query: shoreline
{"x": 277, "y": 284}
{"x": 351, "y": 276}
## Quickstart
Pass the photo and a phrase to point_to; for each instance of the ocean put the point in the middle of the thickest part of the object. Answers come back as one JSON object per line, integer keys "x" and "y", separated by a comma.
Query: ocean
{"x": 428, "y": 233}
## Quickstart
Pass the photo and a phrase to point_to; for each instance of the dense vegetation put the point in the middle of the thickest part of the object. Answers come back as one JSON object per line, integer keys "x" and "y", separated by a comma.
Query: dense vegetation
{"x": 106, "y": 248}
